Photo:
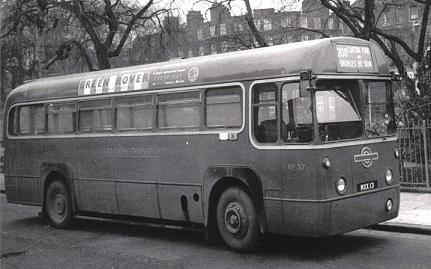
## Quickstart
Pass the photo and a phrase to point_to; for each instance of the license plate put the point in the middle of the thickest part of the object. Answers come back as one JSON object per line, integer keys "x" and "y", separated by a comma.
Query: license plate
{"x": 367, "y": 186}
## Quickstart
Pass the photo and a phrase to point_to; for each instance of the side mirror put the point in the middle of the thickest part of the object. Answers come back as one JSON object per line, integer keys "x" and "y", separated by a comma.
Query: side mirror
{"x": 305, "y": 83}
{"x": 304, "y": 88}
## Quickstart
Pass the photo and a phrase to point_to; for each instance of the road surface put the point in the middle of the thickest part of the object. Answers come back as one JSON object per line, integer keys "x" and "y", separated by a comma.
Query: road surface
{"x": 27, "y": 241}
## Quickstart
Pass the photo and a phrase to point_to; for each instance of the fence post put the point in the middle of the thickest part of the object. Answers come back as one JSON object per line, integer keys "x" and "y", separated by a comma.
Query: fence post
{"x": 424, "y": 133}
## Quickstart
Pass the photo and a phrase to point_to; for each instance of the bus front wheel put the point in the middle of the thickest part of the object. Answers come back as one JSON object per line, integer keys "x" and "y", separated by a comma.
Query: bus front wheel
{"x": 58, "y": 204}
{"x": 237, "y": 219}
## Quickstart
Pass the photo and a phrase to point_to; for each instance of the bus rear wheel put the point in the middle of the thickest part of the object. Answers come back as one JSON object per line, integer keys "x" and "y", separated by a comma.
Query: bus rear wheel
{"x": 237, "y": 219}
{"x": 58, "y": 204}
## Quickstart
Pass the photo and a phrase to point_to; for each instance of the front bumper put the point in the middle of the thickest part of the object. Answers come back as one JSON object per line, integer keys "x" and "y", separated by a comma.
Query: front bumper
{"x": 317, "y": 218}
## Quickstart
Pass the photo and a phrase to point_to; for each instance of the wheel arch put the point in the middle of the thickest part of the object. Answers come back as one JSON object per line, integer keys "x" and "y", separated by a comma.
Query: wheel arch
{"x": 219, "y": 178}
{"x": 56, "y": 171}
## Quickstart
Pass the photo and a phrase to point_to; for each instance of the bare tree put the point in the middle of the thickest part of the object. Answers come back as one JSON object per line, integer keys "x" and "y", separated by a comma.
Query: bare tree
{"x": 107, "y": 24}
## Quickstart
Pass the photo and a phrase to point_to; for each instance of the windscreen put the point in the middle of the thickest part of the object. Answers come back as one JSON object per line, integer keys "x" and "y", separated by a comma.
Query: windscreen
{"x": 338, "y": 110}
{"x": 379, "y": 109}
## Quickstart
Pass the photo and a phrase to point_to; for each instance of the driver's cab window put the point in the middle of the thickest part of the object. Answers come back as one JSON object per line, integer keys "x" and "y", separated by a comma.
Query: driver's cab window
{"x": 296, "y": 113}
{"x": 280, "y": 115}
{"x": 265, "y": 103}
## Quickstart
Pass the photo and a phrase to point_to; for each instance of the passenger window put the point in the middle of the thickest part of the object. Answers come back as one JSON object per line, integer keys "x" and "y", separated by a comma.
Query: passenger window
{"x": 24, "y": 127}
{"x": 31, "y": 120}
{"x": 179, "y": 111}
{"x": 134, "y": 113}
{"x": 223, "y": 108}
{"x": 13, "y": 121}
{"x": 265, "y": 98}
{"x": 61, "y": 118}
{"x": 296, "y": 114}
{"x": 95, "y": 116}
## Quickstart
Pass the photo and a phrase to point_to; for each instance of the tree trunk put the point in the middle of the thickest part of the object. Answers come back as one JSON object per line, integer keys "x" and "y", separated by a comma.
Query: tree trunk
{"x": 102, "y": 58}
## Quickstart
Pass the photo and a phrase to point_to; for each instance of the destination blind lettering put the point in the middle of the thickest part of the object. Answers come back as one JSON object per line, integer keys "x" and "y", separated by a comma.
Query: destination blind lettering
{"x": 354, "y": 58}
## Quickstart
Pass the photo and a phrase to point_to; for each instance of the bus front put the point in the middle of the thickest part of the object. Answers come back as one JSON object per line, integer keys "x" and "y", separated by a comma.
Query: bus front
{"x": 346, "y": 128}
{"x": 338, "y": 148}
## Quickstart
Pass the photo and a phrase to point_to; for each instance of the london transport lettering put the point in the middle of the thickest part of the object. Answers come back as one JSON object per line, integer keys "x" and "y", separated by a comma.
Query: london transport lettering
{"x": 139, "y": 80}
{"x": 353, "y": 58}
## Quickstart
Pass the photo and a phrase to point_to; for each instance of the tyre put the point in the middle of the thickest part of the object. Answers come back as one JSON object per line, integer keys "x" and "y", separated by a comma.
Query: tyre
{"x": 58, "y": 204}
{"x": 237, "y": 219}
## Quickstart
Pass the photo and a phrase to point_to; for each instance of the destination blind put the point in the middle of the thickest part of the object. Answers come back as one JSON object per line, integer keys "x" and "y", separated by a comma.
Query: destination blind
{"x": 354, "y": 58}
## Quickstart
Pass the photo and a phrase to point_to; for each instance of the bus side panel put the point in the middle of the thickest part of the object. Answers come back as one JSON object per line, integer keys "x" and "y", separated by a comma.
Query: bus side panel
{"x": 180, "y": 175}
{"x": 136, "y": 190}
{"x": 29, "y": 156}
{"x": 95, "y": 180}
{"x": 181, "y": 203}
{"x": 11, "y": 180}
{"x": 138, "y": 200}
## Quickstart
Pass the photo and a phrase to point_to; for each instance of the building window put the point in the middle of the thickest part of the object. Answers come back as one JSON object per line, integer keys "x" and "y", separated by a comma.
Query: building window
{"x": 200, "y": 34}
{"x": 212, "y": 30}
{"x": 223, "y": 30}
{"x": 286, "y": 21}
{"x": 287, "y": 39}
{"x": 238, "y": 27}
{"x": 178, "y": 111}
{"x": 224, "y": 46}
{"x": 213, "y": 49}
{"x": 270, "y": 41}
{"x": 304, "y": 22}
{"x": 267, "y": 25}
{"x": 414, "y": 13}
{"x": 400, "y": 15}
{"x": 258, "y": 24}
{"x": 201, "y": 51}
{"x": 331, "y": 24}
{"x": 317, "y": 23}
{"x": 223, "y": 108}
{"x": 385, "y": 18}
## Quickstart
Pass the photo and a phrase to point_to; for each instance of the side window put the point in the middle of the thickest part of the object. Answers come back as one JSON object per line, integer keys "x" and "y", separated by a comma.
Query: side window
{"x": 61, "y": 118}
{"x": 178, "y": 111}
{"x": 95, "y": 116}
{"x": 296, "y": 115}
{"x": 135, "y": 113}
{"x": 24, "y": 122}
{"x": 31, "y": 120}
{"x": 265, "y": 99}
{"x": 223, "y": 108}
{"x": 13, "y": 121}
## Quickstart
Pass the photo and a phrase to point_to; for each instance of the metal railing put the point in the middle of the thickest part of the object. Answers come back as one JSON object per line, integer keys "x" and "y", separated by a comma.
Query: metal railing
{"x": 415, "y": 160}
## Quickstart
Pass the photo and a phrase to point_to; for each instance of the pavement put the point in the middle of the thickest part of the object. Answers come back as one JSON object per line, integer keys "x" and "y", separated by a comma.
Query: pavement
{"x": 414, "y": 215}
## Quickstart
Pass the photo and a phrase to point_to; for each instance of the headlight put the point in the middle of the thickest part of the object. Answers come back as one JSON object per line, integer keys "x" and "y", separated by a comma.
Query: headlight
{"x": 388, "y": 176}
{"x": 326, "y": 162}
{"x": 341, "y": 185}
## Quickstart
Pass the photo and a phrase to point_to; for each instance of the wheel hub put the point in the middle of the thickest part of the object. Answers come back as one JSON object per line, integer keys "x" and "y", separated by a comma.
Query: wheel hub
{"x": 234, "y": 217}
{"x": 59, "y": 204}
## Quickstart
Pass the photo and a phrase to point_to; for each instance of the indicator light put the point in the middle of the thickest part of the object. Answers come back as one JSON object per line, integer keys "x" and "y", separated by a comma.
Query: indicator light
{"x": 326, "y": 162}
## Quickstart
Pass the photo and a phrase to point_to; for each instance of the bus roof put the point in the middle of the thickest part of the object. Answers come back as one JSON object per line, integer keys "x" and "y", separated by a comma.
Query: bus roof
{"x": 340, "y": 55}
